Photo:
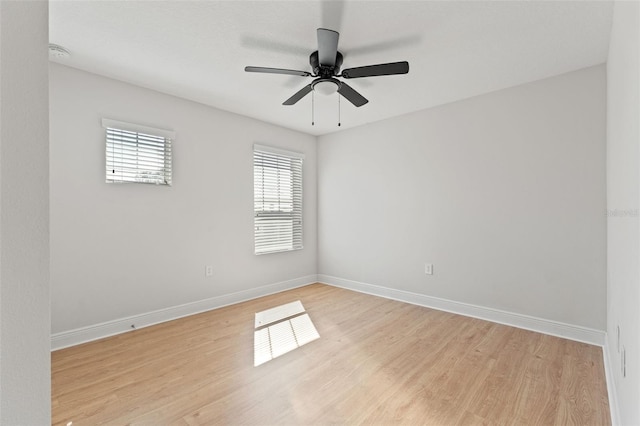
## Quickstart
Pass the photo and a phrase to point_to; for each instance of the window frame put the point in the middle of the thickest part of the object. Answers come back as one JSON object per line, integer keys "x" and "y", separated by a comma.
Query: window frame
{"x": 279, "y": 240}
{"x": 167, "y": 137}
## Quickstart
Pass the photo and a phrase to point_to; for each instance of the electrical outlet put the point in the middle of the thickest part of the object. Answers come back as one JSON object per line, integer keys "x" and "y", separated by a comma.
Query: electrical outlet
{"x": 428, "y": 268}
{"x": 208, "y": 271}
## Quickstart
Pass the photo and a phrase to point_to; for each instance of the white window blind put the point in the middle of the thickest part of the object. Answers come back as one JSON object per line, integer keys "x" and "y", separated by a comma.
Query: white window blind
{"x": 277, "y": 182}
{"x": 137, "y": 153}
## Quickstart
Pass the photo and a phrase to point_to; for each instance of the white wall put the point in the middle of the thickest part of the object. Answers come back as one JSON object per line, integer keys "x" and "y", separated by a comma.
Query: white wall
{"x": 623, "y": 234}
{"x": 123, "y": 250}
{"x": 504, "y": 193}
{"x": 25, "y": 397}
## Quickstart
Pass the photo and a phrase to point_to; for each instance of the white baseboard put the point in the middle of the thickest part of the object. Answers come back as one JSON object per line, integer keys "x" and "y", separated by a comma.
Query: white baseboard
{"x": 611, "y": 387}
{"x": 111, "y": 328}
{"x": 554, "y": 328}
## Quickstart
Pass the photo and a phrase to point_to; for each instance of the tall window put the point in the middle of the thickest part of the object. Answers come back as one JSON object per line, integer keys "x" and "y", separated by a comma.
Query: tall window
{"x": 137, "y": 153}
{"x": 277, "y": 189}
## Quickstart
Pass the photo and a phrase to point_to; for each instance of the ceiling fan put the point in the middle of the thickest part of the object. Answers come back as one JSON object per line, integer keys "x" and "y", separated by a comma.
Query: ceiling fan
{"x": 325, "y": 65}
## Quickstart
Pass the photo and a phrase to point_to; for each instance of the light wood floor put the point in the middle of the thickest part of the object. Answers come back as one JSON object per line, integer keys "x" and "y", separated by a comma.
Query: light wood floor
{"x": 377, "y": 361}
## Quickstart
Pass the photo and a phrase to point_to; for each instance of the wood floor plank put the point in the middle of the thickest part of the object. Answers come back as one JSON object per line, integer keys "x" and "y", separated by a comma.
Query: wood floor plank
{"x": 377, "y": 361}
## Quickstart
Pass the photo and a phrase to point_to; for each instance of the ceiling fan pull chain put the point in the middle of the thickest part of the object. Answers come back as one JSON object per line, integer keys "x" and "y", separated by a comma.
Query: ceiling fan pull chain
{"x": 338, "y": 110}
{"x": 313, "y": 98}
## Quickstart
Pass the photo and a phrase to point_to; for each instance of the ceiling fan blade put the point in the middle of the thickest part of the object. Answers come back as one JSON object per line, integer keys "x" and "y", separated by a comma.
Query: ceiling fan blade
{"x": 351, "y": 95}
{"x": 327, "y": 47}
{"x": 299, "y": 95}
{"x": 375, "y": 70}
{"x": 277, "y": 71}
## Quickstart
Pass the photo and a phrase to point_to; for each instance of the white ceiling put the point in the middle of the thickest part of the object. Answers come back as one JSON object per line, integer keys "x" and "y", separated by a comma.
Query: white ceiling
{"x": 198, "y": 50}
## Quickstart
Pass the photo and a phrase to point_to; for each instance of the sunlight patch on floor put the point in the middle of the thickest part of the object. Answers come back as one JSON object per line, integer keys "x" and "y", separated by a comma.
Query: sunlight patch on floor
{"x": 290, "y": 328}
{"x": 278, "y": 313}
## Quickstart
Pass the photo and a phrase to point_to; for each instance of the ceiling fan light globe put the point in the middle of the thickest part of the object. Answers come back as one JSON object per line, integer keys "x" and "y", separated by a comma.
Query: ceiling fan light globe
{"x": 326, "y": 88}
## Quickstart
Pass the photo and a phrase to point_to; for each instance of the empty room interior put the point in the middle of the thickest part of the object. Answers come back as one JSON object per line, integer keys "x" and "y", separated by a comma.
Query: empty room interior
{"x": 319, "y": 212}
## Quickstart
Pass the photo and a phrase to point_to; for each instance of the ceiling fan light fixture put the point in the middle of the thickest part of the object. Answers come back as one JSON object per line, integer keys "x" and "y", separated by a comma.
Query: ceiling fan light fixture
{"x": 326, "y": 87}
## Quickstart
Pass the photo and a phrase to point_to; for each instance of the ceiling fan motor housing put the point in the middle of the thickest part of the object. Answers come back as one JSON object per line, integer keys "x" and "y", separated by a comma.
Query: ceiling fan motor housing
{"x": 323, "y": 70}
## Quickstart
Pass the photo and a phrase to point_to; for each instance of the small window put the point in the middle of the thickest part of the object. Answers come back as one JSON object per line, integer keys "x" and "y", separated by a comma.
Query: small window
{"x": 277, "y": 183}
{"x": 137, "y": 154}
